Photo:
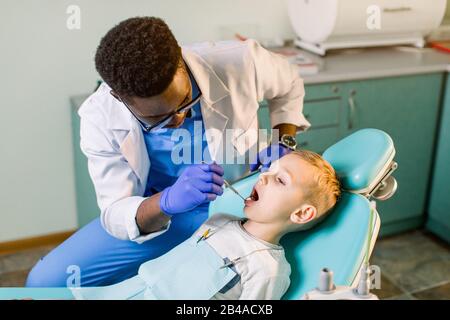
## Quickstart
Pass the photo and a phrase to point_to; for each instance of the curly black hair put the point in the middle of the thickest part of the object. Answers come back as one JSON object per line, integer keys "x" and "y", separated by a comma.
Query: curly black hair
{"x": 138, "y": 57}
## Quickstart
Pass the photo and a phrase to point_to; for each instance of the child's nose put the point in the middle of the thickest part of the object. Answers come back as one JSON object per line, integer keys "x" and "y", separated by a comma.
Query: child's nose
{"x": 264, "y": 177}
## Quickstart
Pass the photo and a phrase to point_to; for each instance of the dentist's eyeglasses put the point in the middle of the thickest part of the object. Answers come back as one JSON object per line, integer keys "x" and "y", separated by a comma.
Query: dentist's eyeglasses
{"x": 148, "y": 125}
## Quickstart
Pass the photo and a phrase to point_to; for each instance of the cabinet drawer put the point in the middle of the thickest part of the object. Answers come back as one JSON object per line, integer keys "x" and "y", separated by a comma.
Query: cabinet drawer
{"x": 322, "y": 113}
{"x": 319, "y": 113}
{"x": 322, "y": 91}
{"x": 318, "y": 140}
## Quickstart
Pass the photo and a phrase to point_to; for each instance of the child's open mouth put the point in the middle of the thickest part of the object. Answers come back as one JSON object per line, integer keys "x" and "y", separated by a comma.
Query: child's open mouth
{"x": 252, "y": 198}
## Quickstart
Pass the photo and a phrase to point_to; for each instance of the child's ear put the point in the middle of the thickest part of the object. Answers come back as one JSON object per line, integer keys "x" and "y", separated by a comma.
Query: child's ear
{"x": 304, "y": 214}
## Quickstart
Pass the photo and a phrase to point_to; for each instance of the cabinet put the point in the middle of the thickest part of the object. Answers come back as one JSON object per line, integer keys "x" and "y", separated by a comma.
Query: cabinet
{"x": 439, "y": 205}
{"x": 323, "y": 109}
{"x": 406, "y": 108}
{"x": 87, "y": 209}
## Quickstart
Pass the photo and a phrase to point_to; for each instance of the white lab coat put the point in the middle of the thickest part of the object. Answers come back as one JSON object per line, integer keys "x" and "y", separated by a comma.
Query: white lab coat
{"x": 233, "y": 77}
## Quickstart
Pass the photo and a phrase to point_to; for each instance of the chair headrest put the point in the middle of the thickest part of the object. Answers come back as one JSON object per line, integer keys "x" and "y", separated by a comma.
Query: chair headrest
{"x": 361, "y": 158}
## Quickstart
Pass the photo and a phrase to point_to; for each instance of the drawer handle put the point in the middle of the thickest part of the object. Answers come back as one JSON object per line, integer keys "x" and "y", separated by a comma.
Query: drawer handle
{"x": 352, "y": 109}
{"x": 306, "y": 115}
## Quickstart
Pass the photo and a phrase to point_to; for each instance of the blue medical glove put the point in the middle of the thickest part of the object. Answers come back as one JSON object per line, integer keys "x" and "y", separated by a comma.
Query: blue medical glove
{"x": 268, "y": 155}
{"x": 198, "y": 184}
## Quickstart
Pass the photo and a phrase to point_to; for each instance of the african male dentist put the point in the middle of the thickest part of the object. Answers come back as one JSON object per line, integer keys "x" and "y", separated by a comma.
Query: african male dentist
{"x": 151, "y": 88}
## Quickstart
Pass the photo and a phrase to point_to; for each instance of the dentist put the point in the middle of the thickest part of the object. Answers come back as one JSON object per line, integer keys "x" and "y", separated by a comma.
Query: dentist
{"x": 153, "y": 87}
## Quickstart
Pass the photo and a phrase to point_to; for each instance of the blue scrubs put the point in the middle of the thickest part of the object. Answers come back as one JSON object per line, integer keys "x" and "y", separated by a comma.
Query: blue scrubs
{"x": 190, "y": 146}
{"x": 103, "y": 259}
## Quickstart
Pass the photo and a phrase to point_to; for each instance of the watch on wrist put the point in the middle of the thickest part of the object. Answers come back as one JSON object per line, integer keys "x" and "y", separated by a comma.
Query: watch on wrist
{"x": 288, "y": 141}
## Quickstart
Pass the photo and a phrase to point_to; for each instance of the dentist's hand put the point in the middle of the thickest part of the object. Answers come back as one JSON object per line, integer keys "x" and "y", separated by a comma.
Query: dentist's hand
{"x": 198, "y": 184}
{"x": 268, "y": 155}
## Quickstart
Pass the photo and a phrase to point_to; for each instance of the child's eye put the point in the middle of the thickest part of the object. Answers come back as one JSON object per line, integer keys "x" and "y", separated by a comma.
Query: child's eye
{"x": 280, "y": 181}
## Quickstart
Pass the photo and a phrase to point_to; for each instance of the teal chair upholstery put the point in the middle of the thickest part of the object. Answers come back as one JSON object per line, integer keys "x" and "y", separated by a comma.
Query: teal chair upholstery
{"x": 340, "y": 241}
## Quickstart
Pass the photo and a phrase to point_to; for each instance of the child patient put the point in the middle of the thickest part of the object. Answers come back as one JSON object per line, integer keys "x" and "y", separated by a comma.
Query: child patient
{"x": 296, "y": 193}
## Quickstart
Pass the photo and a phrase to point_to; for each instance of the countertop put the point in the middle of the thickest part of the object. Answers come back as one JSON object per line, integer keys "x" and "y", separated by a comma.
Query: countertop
{"x": 355, "y": 64}
{"x": 359, "y": 64}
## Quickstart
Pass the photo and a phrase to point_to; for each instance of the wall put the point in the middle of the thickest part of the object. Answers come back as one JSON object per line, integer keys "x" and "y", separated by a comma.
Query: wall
{"x": 43, "y": 64}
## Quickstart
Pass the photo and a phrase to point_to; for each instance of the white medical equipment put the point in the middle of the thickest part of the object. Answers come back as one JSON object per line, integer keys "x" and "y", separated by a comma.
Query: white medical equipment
{"x": 322, "y": 25}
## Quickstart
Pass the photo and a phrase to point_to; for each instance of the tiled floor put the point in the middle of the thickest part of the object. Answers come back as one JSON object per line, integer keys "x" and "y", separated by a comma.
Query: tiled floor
{"x": 414, "y": 265}
{"x": 14, "y": 268}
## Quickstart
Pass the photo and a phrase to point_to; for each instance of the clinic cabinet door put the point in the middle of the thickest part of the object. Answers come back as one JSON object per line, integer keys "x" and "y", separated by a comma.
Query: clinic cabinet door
{"x": 439, "y": 206}
{"x": 407, "y": 109}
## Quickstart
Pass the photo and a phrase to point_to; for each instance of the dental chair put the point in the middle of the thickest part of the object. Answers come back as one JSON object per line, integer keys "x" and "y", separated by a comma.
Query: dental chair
{"x": 364, "y": 164}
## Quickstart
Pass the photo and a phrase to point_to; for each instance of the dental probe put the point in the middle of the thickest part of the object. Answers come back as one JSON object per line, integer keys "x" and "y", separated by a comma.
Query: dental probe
{"x": 229, "y": 186}
{"x": 233, "y": 189}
